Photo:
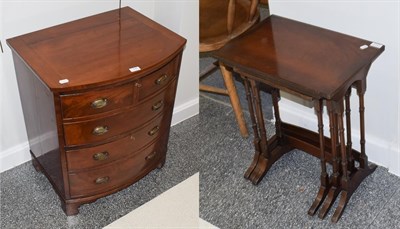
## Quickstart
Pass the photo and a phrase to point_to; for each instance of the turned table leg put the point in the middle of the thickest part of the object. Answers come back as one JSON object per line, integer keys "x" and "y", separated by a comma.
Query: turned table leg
{"x": 349, "y": 146}
{"x": 335, "y": 183}
{"x": 324, "y": 186}
{"x": 260, "y": 118}
{"x": 345, "y": 176}
{"x": 256, "y": 140}
{"x": 262, "y": 165}
{"x": 278, "y": 122}
{"x": 352, "y": 179}
{"x": 267, "y": 150}
{"x": 361, "y": 91}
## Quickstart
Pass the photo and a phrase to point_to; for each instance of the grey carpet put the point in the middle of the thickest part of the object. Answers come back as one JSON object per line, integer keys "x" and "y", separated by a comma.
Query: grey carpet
{"x": 212, "y": 145}
{"x": 282, "y": 198}
{"x": 28, "y": 200}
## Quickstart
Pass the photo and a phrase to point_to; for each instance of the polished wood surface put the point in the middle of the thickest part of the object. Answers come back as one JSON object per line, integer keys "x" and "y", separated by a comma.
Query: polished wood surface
{"x": 82, "y": 132}
{"x": 82, "y": 104}
{"x": 99, "y": 180}
{"x": 317, "y": 65}
{"x": 107, "y": 126}
{"x": 98, "y": 49}
{"x": 313, "y": 61}
{"x": 85, "y": 158}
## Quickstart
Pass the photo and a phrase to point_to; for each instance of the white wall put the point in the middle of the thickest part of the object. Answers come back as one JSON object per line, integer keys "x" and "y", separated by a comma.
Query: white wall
{"x": 20, "y": 17}
{"x": 183, "y": 18}
{"x": 377, "y": 21}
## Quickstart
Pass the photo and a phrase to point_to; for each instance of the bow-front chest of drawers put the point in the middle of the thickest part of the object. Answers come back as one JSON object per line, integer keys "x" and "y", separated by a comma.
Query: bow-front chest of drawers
{"x": 97, "y": 96}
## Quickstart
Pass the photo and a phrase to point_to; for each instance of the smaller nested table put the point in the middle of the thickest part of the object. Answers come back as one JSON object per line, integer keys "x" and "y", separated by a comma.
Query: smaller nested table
{"x": 317, "y": 65}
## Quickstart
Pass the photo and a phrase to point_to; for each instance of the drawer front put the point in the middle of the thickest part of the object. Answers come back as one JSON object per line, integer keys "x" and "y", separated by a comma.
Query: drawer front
{"x": 112, "y": 175}
{"x": 99, "y": 155}
{"x": 156, "y": 81}
{"x": 86, "y": 132}
{"x": 98, "y": 101}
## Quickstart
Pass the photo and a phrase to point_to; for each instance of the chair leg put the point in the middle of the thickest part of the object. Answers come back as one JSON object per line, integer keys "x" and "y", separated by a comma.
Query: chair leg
{"x": 230, "y": 86}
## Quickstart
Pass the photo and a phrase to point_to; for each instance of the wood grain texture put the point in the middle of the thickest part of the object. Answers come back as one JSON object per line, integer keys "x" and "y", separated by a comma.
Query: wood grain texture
{"x": 80, "y": 104}
{"x": 299, "y": 57}
{"x": 98, "y": 49}
{"x": 81, "y": 132}
{"x": 107, "y": 127}
{"x": 115, "y": 174}
{"x": 83, "y": 158}
{"x": 315, "y": 64}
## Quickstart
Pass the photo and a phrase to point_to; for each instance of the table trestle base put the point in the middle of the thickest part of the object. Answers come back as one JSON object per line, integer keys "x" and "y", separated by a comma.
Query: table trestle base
{"x": 345, "y": 178}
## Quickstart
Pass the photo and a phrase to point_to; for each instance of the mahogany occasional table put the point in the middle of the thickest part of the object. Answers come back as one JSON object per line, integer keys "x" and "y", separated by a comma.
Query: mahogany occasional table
{"x": 318, "y": 65}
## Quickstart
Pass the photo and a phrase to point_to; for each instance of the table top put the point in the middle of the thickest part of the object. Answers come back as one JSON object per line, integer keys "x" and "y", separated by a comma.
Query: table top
{"x": 97, "y": 49}
{"x": 302, "y": 58}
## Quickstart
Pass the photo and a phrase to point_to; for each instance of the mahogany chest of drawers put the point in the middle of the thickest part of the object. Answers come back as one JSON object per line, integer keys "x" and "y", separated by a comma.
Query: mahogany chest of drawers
{"x": 97, "y": 96}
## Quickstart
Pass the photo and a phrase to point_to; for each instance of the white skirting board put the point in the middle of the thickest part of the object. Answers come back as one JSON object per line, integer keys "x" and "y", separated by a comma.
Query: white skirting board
{"x": 19, "y": 154}
{"x": 185, "y": 111}
{"x": 14, "y": 156}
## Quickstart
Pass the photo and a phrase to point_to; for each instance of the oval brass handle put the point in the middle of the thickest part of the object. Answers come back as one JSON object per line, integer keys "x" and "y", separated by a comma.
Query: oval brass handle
{"x": 99, "y": 103}
{"x": 100, "y": 130}
{"x": 102, "y": 180}
{"x": 154, "y": 131}
{"x": 101, "y": 156}
{"x": 151, "y": 156}
{"x": 162, "y": 79}
{"x": 157, "y": 105}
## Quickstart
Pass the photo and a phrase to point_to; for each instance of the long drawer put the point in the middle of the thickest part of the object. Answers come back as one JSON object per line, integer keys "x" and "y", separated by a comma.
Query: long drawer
{"x": 85, "y": 158}
{"x": 86, "y": 132}
{"x": 112, "y": 175}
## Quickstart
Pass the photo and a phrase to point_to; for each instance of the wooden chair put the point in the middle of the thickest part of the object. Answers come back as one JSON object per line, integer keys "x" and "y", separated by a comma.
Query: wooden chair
{"x": 220, "y": 22}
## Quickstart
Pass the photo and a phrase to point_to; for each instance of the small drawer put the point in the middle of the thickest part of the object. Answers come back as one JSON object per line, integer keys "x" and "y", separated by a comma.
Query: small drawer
{"x": 156, "y": 81}
{"x": 97, "y": 130}
{"x": 99, "y": 155}
{"x": 98, "y": 101}
{"x": 112, "y": 175}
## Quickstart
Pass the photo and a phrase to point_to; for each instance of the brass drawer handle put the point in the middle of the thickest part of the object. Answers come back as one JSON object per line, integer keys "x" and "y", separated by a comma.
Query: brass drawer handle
{"x": 99, "y": 103}
{"x": 151, "y": 156}
{"x": 101, "y": 156}
{"x": 162, "y": 79}
{"x": 154, "y": 131}
{"x": 100, "y": 130}
{"x": 157, "y": 105}
{"x": 102, "y": 180}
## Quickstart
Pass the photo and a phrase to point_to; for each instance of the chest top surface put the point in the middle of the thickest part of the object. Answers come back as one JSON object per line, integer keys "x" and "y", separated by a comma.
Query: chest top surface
{"x": 307, "y": 59}
{"x": 98, "y": 49}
